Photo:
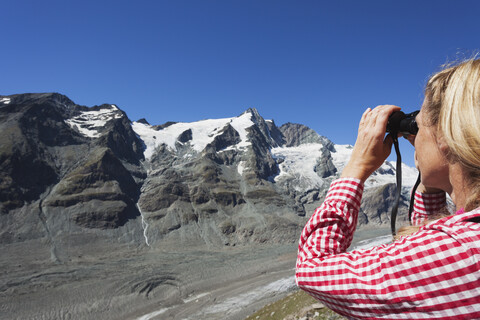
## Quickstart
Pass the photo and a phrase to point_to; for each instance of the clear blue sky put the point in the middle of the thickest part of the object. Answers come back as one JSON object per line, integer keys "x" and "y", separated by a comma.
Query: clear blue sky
{"x": 317, "y": 63}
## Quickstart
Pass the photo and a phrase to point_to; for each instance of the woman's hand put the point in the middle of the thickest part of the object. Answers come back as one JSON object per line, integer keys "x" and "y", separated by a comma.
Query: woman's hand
{"x": 372, "y": 148}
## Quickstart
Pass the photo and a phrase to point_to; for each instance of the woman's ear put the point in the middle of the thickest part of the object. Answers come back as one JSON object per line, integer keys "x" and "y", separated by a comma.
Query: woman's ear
{"x": 444, "y": 149}
{"x": 442, "y": 144}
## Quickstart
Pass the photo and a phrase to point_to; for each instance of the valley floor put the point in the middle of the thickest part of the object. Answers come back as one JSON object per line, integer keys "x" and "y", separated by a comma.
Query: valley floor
{"x": 126, "y": 282}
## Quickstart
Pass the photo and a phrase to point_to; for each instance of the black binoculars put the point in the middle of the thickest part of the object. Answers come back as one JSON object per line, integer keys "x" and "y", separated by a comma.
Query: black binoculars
{"x": 399, "y": 122}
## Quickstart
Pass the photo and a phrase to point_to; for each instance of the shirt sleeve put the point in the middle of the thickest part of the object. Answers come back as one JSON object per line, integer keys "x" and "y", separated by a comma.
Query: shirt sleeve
{"x": 331, "y": 227}
{"x": 423, "y": 276}
{"x": 426, "y": 205}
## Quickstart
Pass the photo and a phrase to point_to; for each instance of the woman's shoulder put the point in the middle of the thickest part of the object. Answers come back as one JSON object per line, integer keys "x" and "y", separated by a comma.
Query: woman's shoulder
{"x": 463, "y": 226}
{"x": 460, "y": 218}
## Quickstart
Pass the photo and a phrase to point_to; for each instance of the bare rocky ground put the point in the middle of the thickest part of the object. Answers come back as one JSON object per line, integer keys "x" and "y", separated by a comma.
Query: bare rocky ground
{"x": 127, "y": 283}
{"x": 106, "y": 281}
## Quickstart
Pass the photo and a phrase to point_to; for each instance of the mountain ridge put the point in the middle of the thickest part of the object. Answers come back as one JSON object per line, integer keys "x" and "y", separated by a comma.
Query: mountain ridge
{"x": 220, "y": 182}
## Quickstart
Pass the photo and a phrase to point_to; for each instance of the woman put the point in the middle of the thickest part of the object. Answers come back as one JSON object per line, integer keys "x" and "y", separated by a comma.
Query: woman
{"x": 433, "y": 273}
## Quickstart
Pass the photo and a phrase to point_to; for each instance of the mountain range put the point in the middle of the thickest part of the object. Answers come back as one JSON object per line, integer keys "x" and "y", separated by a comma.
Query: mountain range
{"x": 70, "y": 171}
{"x": 102, "y": 217}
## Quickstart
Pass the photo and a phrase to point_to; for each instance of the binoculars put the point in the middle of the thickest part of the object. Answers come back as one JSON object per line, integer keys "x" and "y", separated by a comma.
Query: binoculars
{"x": 399, "y": 122}
{"x": 405, "y": 124}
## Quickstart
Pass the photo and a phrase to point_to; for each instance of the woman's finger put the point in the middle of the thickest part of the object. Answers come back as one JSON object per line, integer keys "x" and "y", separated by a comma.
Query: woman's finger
{"x": 364, "y": 117}
{"x": 383, "y": 114}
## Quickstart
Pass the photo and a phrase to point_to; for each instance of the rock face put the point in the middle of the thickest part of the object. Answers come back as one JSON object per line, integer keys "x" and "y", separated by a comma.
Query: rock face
{"x": 65, "y": 168}
{"x": 68, "y": 170}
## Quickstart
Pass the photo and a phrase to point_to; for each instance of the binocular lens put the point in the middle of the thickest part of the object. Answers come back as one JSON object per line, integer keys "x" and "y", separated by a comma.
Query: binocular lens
{"x": 399, "y": 122}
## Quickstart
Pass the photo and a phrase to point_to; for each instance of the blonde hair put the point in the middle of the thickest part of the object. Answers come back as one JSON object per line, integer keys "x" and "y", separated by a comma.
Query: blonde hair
{"x": 452, "y": 106}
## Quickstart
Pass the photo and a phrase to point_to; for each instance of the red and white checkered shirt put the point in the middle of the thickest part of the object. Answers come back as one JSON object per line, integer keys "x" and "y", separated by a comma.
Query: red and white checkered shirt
{"x": 431, "y": 274}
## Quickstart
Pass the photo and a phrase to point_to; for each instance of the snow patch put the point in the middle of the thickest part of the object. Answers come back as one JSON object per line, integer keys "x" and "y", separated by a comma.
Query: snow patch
{"x": 203, "y": 133}
{"x": 241, "y": 167}
{"x": 196, "y": 298}
{"x": 5, "y": 100}
{"x": 88, "y": 122}
{"x": 153, "y": 314}
{"x": 148, "y": 136}
{"x": 341, "y": 156}
{"x": 299, "y": 165}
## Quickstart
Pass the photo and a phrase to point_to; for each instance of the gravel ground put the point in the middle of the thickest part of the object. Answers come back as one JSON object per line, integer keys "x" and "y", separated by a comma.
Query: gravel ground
{"x": 129, "y": 283}
{"x": 100, "y": 280}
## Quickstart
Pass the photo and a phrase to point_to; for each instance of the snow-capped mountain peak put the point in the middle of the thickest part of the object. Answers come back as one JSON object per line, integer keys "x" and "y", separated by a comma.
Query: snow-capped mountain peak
{"x": 203, "y": 133}
{"x": 90, "y": 122}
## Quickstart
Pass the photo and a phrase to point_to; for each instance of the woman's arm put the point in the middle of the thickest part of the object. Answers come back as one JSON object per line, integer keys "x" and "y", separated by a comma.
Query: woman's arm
{"x": 330, "y": 229}
{"x": 423, "y": 276}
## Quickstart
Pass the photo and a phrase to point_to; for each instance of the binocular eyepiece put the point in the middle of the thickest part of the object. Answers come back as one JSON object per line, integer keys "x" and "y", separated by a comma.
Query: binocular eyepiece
{"x": 399, "y": 122}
